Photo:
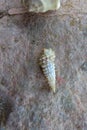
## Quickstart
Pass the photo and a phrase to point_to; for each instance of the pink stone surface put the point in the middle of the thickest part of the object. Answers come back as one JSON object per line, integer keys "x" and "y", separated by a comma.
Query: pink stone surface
{"x": 22, "y": 38}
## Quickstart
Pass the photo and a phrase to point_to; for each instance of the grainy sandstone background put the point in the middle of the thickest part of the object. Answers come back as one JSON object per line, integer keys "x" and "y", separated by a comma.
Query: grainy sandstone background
{"x": 22, "y": 37}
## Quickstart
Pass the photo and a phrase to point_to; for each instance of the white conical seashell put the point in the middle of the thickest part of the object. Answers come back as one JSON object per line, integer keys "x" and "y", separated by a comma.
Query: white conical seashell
{"x": 47, "y": 63}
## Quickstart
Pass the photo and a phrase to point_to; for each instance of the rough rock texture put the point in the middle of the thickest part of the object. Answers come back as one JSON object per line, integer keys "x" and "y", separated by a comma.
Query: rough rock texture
{"x": 22, "y": 37}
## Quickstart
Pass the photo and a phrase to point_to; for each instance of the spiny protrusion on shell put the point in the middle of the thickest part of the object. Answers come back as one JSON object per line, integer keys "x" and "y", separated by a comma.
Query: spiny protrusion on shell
{"x": 40, "y": 6}
{"x": 47, "y": 63}
{"x": 6, "y": 107}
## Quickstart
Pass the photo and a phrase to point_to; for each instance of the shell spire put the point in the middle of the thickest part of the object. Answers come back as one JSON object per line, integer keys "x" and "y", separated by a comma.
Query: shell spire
{"x": 47, "y": 63}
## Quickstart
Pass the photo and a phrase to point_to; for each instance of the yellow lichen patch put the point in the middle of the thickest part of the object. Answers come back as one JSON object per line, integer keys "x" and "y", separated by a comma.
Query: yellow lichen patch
{"x": 41, "y": 5}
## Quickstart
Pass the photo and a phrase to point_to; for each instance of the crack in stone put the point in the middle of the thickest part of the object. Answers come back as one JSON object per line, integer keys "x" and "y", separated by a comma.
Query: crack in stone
{"x": 20, "y": 11}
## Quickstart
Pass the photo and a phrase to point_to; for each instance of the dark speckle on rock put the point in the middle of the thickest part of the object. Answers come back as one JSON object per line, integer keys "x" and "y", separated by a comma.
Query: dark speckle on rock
{"x": 84, "y": 66}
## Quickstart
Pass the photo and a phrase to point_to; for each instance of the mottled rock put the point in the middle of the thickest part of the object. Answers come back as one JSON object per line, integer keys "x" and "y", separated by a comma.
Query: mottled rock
{"x": 22, "y": 37}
